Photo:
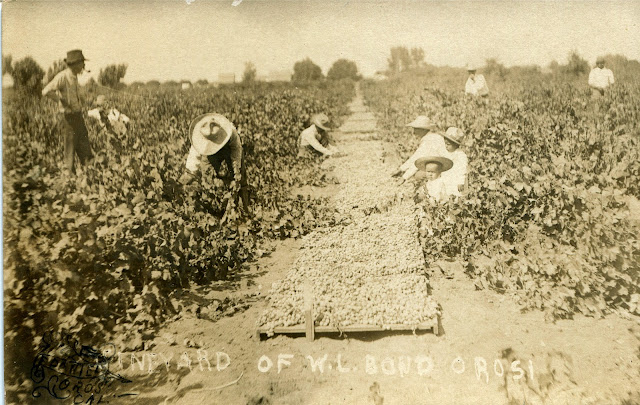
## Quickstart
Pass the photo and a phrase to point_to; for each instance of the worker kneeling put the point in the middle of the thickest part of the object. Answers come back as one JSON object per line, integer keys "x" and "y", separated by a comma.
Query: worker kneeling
{"x": 315, "y": 140}
{"x": 437, "y": 187}
{"x": 214, "y": 136}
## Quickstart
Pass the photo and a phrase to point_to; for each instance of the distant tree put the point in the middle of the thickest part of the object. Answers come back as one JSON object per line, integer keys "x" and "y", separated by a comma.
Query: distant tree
{"x": 417, "y": 56}
{"x": 306, "y": 70}
{"x": 112, "y": 74}
{"x": 400, "y": 59}
{"x": 153, "y": 84}
{"x": 493, "y": 67}
{"x": 57, "y": 67}
{"x": 7, "y": 64}
{"x": 27, "y": 76}
{"x": 343, "y": 69}
{"x": 554, "y": 66}
{"x": 250, "y": 73}
{"x": 576, "y": 64}
{"x": 202, "y": 82}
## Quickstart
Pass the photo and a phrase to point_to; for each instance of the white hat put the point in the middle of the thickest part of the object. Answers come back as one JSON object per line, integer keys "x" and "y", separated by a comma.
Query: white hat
{"x": 422, "y": 121}
{"x": 455, "y": 135}
{"x": 206, "y": 142}
{"x": 321, "y": 120}
{"x": 445, "y": 163}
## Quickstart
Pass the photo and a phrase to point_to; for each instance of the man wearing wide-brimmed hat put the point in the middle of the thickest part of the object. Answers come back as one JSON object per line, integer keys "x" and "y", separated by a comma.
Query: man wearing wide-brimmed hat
{"x": 600, "y": 78}
{"x": 213, "y": 136}
{"x": 456, "y": 177}
{"x": 476, "y": 84}
{"x": 64, "y": 89}
{"x": 431, "y": 144}
{"x": 315, "y": 140}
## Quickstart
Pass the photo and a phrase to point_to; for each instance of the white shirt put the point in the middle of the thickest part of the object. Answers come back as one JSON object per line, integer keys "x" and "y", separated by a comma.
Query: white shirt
{"x": 476, "y": 86}
{"x": 438, "y": 190}
{"x": 456, "y": 176}
{"x": 117, "y": 120}
{"x": 432, "y": 144}
{"x": 309, "y": 138}
{"x": 65, "y": 86}
{"x": 194, "y": 159}
{"x": 601, "y": 78}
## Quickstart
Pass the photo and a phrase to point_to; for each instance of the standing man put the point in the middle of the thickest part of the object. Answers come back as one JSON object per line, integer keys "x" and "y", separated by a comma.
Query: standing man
{"x": 476, "y": 84}
{"x": 213, "y": 136}
{"x": 64, "y": 90}
{"x": 600, "y": 78}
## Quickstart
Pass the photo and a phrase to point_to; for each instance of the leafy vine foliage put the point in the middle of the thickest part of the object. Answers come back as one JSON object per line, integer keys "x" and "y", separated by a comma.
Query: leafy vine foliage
{"x": 552, "y": 173}
{"x": 101, "y": 254}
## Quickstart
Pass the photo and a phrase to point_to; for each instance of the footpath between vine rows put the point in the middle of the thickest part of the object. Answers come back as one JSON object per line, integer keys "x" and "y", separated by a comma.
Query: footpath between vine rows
{"x": 490, "y": 353}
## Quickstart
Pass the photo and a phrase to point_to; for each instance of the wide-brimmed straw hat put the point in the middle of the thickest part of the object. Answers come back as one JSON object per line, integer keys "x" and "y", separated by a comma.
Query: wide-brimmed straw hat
{"x": 455, "y": 135}
{"x": 206, "y": 142}
{"x": 74, "y": 56}
{"x": 321, "y": 120}
{"x": 445, "y": 163}
{"x": 422, "y": 121}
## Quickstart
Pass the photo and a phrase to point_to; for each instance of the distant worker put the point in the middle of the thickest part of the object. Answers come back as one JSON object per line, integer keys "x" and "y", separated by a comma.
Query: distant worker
{"x": 456, "y": 177}
{"x": 213, "y": 136}
{"x": 315, "y": 140}
{"x": 433, "y": 167}
{"x": 64, "y": 89}
{"x": 476, "y": 84}
{"x": 431, "y": 144}
{"x": 110, "y": 119}
{"x": 600, "y": 78}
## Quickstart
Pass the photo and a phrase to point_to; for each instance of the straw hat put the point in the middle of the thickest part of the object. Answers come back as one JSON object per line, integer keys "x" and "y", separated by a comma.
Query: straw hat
{"x": 455, "y": 135}
{"x": 321, "y": 121}
{"x": 471, "y": 67}
{"x": 422, "y": 121}
{"x": 74, "y": 56}
{"x": 205, "y": 141}
{"x": 445, "y": 164}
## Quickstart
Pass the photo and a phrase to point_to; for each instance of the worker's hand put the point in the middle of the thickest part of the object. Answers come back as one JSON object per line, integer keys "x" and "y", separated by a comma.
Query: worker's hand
{"x": 396, "y": 173}
{"x": 186, "y": 178}
{"x": 402, "y": 181}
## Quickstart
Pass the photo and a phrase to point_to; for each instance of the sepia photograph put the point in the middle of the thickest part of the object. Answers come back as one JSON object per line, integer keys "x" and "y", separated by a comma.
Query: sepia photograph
{"x": 321, "y": 202}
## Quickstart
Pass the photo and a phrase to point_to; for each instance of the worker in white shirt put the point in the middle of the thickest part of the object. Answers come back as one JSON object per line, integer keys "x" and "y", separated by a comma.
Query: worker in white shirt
{"x": 110, "y": 119}
{"x": 456, "y": 177}
{"x": 213, "y": 136}
{"x": 476, "y": 84}
{"x": 431, "y": 144}
{"x": 600, "y": 78}
{"x": 315, "y": 140}
{"x": 436, "y": 186}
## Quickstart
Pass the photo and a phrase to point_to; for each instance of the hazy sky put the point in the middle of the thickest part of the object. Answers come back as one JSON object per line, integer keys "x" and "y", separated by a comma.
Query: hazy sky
{"x": 171, "y": 39}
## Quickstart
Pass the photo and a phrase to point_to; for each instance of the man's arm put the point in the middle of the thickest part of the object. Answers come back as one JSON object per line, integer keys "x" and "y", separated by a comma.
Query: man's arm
{"x": 315, "y": 144}
{"x": 592, "y": 78}
{"x": 611, "y": 80}
{"x": 52, "y": 90}
{"x": 236, "y": 150}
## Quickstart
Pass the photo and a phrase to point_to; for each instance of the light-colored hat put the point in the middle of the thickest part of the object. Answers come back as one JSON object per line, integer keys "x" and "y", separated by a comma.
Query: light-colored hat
{"x": 321, "y": 120}
{"x": 455, "y": 135}
{"x": 74, "y": 56}
{"x": 471, "y": 67}
{"x": 206, "y": 142}
{"x": 100, "y": 100}
{"x": 422, "y": 121}
{"x": 445, "y": 163}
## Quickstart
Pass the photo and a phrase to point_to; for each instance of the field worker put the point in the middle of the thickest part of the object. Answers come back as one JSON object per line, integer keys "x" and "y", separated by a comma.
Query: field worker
{"x": 431, "y": 144}
{"x": 213, "y": 136}
{"x": 315, "y": 140}
{"x": 600, "y": 78}
{"x": 110, "y": 119}
{"x": 476, "y": 84}
{"x": 436, "y": 186}
{"x": 456, "y": 177}
{"x": 64, "y": 89}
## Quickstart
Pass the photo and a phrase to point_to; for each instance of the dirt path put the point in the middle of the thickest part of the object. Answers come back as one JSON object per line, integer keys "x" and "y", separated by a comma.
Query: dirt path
{"x": 490, "y": 353}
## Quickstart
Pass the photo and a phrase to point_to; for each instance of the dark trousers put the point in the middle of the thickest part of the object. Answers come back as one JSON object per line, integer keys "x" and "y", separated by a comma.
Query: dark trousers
{"x": 76, "y": 140}
{"x": 224, "y": 155}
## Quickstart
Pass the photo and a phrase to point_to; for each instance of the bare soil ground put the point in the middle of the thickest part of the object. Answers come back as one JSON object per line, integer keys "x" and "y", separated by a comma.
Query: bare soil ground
{"x": 490, "y": 352}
